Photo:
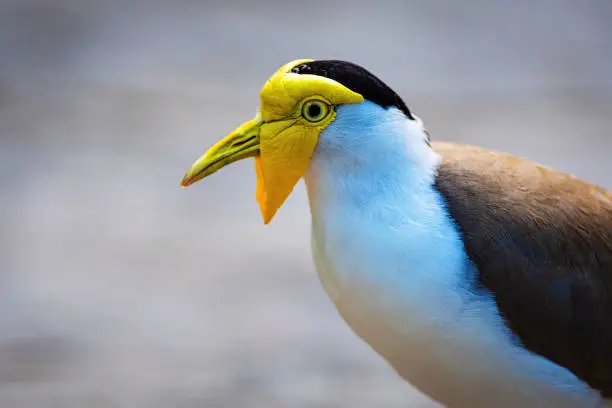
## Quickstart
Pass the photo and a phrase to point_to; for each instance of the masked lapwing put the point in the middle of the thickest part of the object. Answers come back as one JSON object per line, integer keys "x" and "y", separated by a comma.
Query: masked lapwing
{"x": 484, "y": 279}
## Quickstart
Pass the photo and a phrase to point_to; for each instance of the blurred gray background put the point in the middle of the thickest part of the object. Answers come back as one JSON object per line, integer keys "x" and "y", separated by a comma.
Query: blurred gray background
{"x": 118, "y": 289}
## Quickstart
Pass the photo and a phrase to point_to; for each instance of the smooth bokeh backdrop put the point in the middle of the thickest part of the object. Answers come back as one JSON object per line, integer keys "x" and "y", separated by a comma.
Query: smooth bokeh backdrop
{"x": 118, "y": 289}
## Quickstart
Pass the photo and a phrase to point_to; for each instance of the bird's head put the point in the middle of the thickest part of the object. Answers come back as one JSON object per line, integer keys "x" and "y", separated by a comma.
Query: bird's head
{"x": 297, "y": 103}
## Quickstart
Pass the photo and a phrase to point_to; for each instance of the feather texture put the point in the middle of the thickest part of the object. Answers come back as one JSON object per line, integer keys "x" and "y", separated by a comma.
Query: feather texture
{"x": 541, "y": 241}
{"x": 391, "y": 257}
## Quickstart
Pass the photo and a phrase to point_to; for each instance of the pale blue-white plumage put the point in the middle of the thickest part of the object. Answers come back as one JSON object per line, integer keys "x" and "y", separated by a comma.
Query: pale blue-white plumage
{"x": 393, "y": 262}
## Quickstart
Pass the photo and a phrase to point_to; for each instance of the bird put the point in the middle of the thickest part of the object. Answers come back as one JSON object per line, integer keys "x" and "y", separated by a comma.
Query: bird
{"x": 482, "y": 278}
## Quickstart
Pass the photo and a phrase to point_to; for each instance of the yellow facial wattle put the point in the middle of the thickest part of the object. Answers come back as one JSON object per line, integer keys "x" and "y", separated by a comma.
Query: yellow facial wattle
{"x": 294, "y": 109}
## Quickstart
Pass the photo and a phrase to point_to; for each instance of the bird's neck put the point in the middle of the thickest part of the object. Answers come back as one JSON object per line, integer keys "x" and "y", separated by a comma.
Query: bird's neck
{"x": 376, "y": 216}
{"x": 371, "y": 156}
{"x": 376, "y": 198}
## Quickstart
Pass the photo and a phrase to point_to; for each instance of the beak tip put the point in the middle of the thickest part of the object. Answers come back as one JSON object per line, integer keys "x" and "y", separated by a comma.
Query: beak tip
{"x": 187, "y": 181}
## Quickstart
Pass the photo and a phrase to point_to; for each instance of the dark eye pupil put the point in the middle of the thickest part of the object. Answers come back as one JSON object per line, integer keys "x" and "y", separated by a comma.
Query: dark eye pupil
{"x": 314, "y": 110}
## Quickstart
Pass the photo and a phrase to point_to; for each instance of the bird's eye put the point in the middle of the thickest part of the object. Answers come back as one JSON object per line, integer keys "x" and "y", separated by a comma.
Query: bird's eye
{"x": 315, "y": 111}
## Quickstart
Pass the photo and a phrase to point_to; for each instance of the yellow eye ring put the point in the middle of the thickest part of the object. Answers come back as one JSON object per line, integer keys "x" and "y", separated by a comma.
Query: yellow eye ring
{"x": 315, "y": 110}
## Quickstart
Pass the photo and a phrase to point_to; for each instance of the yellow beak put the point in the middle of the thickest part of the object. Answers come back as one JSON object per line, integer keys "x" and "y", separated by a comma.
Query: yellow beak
{"x": 240, "y": 144}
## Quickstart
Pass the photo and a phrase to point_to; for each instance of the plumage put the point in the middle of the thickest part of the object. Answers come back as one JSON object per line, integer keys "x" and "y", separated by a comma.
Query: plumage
{"x": 392, "y": 258}
{"x": 484, "y": 279}
{"x": 541, "y": 241}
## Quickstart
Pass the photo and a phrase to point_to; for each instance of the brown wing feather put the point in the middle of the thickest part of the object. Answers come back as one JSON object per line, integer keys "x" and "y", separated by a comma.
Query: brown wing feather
{"x": 542, "y": 243}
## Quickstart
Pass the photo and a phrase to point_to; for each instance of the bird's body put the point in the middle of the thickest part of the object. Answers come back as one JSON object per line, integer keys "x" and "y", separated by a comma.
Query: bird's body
{"x": 484, "y": 279}
{"x": 392, "y": 259}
